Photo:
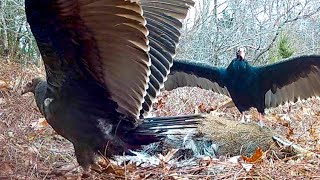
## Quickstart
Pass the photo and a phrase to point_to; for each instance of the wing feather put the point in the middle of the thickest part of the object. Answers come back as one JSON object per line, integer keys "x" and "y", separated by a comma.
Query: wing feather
{"x": 120, "y": 33}
{"x": 290, "y": 80}
{"x": 191, "y": 74}
{"x": 164, "y": 23}
{"x": 103, "y": 40}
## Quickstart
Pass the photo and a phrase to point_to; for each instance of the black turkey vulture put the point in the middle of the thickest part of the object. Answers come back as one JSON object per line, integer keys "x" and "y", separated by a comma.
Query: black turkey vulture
{"x": 102, "y": 59}
{"x": 260, "y": 87}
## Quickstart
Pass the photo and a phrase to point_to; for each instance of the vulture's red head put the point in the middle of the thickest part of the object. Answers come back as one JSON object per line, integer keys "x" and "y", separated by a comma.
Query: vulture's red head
{"x": 31, "y": 86}
{"x": 241, "y": 53}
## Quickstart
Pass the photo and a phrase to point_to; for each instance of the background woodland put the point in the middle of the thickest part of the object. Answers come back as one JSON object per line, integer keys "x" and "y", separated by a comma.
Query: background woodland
{"x": 269, "y": 29}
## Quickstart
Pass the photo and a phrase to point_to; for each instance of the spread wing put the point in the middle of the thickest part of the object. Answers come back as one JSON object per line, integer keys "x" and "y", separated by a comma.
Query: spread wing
{"x": 103, "y": 40}
{"x": 289, "y": 80}
{"x": 191, "y": 74}
{"x": 163, "y": 22}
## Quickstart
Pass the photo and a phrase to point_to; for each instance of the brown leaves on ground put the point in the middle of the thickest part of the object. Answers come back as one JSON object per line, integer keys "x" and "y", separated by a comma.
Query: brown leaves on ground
{"x": 29, "y": 149}
{"x": 4, "y": 86}
{"x": 112, "y": 170}
{"x": 256, "y": 157}
{"x": 40, "y": 124}
{"x": 7, "y": 169}
{"x": 299, "y": 122}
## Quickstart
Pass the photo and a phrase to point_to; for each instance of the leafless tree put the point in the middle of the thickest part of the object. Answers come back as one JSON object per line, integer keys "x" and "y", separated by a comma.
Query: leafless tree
{"x": 16, "y": 41}
{"x": 212, "y": 32}
{"x": 217, "y": 28}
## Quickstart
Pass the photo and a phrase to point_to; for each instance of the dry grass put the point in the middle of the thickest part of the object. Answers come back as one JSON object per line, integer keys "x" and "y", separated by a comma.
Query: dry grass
{"x": 30, "y": 153}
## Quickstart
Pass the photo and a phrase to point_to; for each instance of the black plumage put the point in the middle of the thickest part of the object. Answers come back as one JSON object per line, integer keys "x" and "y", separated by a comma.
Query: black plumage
{"x": 260, "y": 87}
{"x": 102, "y": 60}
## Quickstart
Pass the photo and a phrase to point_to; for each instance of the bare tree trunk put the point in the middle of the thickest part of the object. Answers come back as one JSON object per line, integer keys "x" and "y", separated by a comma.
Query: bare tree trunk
{"x": 5, "y": 32}
{"x": 16, "y": 43}
{"x": 215, "y": 22}
{"x": 215, "y": 8}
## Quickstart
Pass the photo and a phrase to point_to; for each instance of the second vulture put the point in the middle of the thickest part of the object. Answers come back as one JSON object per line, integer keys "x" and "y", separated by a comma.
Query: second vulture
{"x": 260, "y": 87}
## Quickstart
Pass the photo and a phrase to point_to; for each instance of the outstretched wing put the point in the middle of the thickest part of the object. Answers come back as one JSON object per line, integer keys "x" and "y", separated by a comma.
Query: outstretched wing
{"x": 101, "y": 40}
{"x": 289, "y": 80}
{"x": 192, "y": 74}
{"x": 163, "y": 22}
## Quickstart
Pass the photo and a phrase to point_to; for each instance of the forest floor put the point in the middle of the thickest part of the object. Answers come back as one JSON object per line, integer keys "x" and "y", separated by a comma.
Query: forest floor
{"x": 30, "y": 149}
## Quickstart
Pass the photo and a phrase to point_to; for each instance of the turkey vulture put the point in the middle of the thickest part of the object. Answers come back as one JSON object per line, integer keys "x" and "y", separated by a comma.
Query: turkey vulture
{"x": 104, "y": 61}
{"x": 260, "y": 87}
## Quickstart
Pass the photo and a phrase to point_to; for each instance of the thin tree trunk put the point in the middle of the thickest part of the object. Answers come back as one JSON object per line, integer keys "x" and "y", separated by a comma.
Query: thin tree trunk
{"x": 215, "y": 21}
{"x": 4, "y": 28}
{"x": 16, "y": 43}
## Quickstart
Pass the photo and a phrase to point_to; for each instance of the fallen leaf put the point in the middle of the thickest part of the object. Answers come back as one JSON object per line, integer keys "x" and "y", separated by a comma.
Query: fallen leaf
{"x": 4, "y": 86}
{"x": 313, "y": 133}
{"x": 43, "y": 122}
{"x": 317, "y": 113}
{"x": 202, "y": 108}
{"x": 103, "y": 161}
{"x": 281, "y": 120}
{"x": 168, "y": 156}
{"x": 40, "y": 124}
{"x": 118, "y": 170}
{"x": 256, "y": 157}
{"x": 160, "y": 104}
{"x": 289, "y": 133}
{"x": 165, "y": 159}
{"x": 6, "y": 169}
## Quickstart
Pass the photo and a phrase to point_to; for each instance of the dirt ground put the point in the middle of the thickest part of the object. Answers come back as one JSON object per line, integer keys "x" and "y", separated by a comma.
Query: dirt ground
{"x": 30, "y": 149}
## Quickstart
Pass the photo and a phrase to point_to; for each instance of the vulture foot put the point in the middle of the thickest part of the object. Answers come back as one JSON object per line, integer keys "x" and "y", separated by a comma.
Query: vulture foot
{"x": 243, "y": 118}
{"x": 261, "y": 119}
{"x": 100, "y": 165}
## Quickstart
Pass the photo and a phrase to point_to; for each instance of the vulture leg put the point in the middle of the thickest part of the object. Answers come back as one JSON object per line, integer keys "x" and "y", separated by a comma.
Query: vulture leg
{"x": 86, "y": 159}
{"x": 261, "y": 119}
{"x": 242, "y": 118}
{"x": 260, "y": 107}
{"x": 85, "y": 156}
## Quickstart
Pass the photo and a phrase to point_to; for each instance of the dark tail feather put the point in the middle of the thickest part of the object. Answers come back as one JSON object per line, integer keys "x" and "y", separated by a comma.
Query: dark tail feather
{"x": 160, "y": 125}
{"x": 154, "y": 129}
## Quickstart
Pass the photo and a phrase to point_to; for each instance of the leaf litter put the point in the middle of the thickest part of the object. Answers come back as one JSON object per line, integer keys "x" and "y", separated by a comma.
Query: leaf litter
{"x": 30, "y": 149}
